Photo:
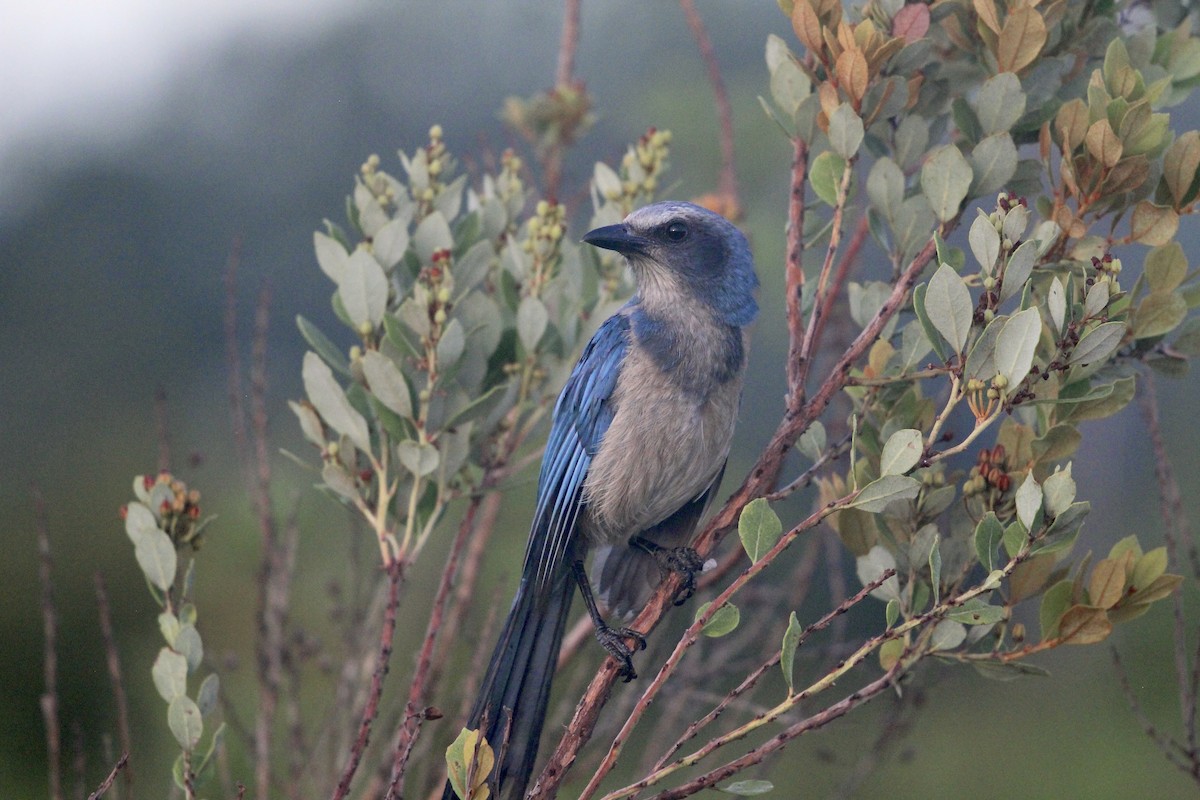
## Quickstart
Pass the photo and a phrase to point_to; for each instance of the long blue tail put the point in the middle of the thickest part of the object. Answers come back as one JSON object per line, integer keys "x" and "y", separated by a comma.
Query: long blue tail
{"x": 515, "y": 692}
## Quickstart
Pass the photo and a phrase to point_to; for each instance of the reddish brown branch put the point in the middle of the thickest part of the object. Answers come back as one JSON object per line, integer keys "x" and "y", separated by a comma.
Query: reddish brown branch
{"x": 113, "y": 660}
{"x": 568, "y": 44}
{"x": 794, "y": 271}
{"x": 106, "y": 784}
{"x": 49, "y": 698}
{"x": 387, "y": 632}
{"x": 414, "y": 713}
{"x": 727, "y": 182}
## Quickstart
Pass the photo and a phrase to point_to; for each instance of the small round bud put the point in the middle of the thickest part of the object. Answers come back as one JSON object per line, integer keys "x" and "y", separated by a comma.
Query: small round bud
{"x": 435, "y": 132}
{"x": 365, "y": 328}
{"x": 443, "y": 295}
{"x": 439, "y": 316}
{"x": 543, "y": 208}
{"x": 356, "y": 353}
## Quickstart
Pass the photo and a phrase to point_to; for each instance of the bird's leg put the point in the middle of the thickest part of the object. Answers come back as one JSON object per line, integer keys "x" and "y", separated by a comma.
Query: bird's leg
{"x": 612, "y": 639}
{"x": 684, "y": 560}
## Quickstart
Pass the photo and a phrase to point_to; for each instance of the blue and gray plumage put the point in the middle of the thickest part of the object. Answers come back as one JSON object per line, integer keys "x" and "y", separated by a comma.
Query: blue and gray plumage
{"x": 636, "y": 451}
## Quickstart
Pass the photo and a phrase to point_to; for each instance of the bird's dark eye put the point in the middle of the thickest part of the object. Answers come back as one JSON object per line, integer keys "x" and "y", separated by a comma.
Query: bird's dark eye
{"x": 677, "y": 231}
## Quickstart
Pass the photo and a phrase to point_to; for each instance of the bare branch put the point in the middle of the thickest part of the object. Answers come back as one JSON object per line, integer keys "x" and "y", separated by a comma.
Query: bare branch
{"x": 49, "y": 698}
{"x": 106, "y": 784}
{"x": 727, "y": 182}
{"x": 113, "y": 660}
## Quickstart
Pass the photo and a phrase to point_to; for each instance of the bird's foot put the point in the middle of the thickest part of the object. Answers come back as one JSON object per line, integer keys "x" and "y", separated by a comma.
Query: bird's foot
{"x": 613, "y": 640}
{"x": 683, "y": 560}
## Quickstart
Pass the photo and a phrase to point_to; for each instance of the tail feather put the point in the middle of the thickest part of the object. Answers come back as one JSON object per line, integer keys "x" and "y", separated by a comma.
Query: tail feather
{"x": 515, "y": 693}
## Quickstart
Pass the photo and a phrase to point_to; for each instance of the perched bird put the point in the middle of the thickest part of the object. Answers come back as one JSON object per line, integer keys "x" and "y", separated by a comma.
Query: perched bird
{"x": 636, "y": 451}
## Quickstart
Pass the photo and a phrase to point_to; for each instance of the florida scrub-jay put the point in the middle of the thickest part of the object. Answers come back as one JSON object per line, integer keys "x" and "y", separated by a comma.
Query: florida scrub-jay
{"x": 636, "y": 450}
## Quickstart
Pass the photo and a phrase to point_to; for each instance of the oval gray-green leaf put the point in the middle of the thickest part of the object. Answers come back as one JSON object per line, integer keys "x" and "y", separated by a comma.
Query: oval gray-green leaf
{"x": 1056, "y": 304}
{"x": 418, "y": 458}
{"x": 451, "y": 344}
{"x": 189, "y": 645}
{"x": 1020, "y": 265}
{"x": 1158, "y": 313}
{"x": 331, "y": 256}
{"x": 759, "y": 528}
{"x": 363, "y": 289}
{"x": 170, "y": 674}
{"x": 390, "y": 243}
{"x": 948, "y": 304}
{"x": 876, "y": 495}
{"x": 999, "y": 103}
{"x": 206, "y": 697}
{"x": 748, "y": 788}
{"x": 156, "y": 556}
{"x": 901, "y": 452}
{"x": 387, "y": 383}
{"x": 945, "y": 180}
{"x": 337, "y": 479}
{"x": 985, "y": 242}
{"x": 724, "y": 620}
{"x": 185, "y": 721}
{"x": 1029, "y": 501}
{"x": 326, "y": 395}
{"x": 871, "y": 568}
{"x": 787, "y": 652}
{"x": 885, "y": 187}
{"x": 532, "y": 318}
{"x": 431, "y": 235}
{"x": 812, "y": 441}
{"x": 1098, "y": 344}
{"x": 947, "y": 635}
{"x": 993, "y": 162}
{"x": 845, "y": 131}
{"x": 139, "y": 522}
{"x": 1015, "y": 346}
{"x": 825, "y": 175}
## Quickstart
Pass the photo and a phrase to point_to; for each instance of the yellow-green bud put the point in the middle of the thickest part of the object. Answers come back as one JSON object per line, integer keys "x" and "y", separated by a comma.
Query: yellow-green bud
{"x": 365, "y": 328}
{"x": 543, "y": 208}
{"x": 556, "y": 232}
{"x": 435, "y": 132}
{"x": 355, "y": 353}
{"x": 435, "y": 167}
{"x": 443, "y": 295}
{"x": 439, "y": 316}
{"x": 1000, "y": 381}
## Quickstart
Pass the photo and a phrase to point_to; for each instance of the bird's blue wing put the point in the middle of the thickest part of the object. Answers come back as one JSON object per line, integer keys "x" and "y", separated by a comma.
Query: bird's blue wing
{"x": 581, "y": 416}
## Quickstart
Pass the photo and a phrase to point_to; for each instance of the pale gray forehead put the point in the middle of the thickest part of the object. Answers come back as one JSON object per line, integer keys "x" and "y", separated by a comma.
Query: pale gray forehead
{"x": 657, "y": 214}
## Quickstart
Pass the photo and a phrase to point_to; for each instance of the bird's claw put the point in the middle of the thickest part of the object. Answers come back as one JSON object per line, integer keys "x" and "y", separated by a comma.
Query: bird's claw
{"x": 613, "y": 640}
{"x": 686, "y": 562}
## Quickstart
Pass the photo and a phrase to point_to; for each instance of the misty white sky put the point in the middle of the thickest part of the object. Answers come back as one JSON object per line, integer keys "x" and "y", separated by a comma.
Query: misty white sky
{"x": 84, "y": 74}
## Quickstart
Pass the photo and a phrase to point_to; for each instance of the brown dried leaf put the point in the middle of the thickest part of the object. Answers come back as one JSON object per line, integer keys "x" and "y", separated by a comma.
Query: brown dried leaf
{"x": 1021, "y": 39}
{"x": 807, "y": 26}
{"x": 1084, "y": 625}
{"x": 1153, "y": 225}
{"x": 1103, "y": 144}
{"x": 912, "y": 22}
{"x": 988, "y": 15}
{"x": 852, "y": 75}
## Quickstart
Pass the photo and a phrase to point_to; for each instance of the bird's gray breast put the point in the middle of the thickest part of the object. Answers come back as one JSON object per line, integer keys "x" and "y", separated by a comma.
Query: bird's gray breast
{"x": 668, "y": 439}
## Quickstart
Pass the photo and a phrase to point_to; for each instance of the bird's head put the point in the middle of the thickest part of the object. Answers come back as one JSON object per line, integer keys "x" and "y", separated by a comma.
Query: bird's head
{"x": 677, "y": 246}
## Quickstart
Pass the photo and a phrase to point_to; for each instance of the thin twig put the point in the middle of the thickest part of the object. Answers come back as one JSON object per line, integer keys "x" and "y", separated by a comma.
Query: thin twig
{"x": 237, "y": 412}
{"x": 106, "y": 784}
{"x": 1170, "y": 748}
{"x": 418, "y": 690}
{"x": 162, "y": 430}
{"x": 371, "y": 708}
{"x": 794, "y": 273}
{"x": 727, "y": 182}
{"x": 113, "y": 659}
{"x": 49, "y": 699}
{"x": 568, "y": 44}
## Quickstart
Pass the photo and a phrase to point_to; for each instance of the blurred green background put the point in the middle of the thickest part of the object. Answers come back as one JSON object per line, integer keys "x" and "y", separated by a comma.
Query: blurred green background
{"x": 138, "y": 143}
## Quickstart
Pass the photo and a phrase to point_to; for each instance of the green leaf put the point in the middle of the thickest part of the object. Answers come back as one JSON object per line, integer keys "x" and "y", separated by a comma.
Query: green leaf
{"x": 327, "y": 397}
{"x": 891, "y": 612}
{"x": 845, "y": 131}
{"x": 387, "y": 383}
{"x": 319, "y": 342}
{"x": 901, "y": 452}
{"x": 993, "y": 162}
{"x": 331, "y": 256}
{"x": 206, "y": 697}
{"x": 988, "y": 535}
{"x": 1029, "y": 502}
{"x": 1166, "y": 267}
{"x": 948, "y": 304}
{"x": 1148, "y": 568}
{"x": 168, "y": 626}
{"x": 787, "y": 652}
{"x": 999, "y": 103}
{"x": 140, "y": 523}
{"x": 1158, "y": 313}
{"x": 1062, "y": 532}
{"x": 977, "y": 612}
{"x": 789, "y": 84}
{"x": 1054, "y": 604}
{"x": 418, "y": 458}
{"x": 1018, "y": 270}
{"x": 451, "y": 345}
{"x": 1056, "y": 304}
{"x": 871, "y": 567}
{"x": 185, "y": 722}
{"x": 931, "y": 333}
{"x": 1181, "y": 168}
{"x": 390, "y": 243}
{"x": 1096, "y": 300}
{"x": 945, "y": 180}
{"x": 1108, "y": 401}
{"x": 825, "y": 175}
{"x": 723, "y": 620}
{"x": 532, "y": 319}
{"x": 188, "y": 644}
{"x": 935, "y": 570}
{"x": 432, "y": 234}
{"x": 156, "y": 556}
{"x": 748, "y": 788}
{"x": 812, "y": 441}
{"x": 460, "y": 764}
{"x": 1015, "y": 346}
{"x": 363, "y": 290}
{"x": 885, "y": 187}
{"x": 1059, "y": 491}
{"x": 170, "y": 674}
{"x": 947, "y": 635}
{"x": 876, "y": 496}
{"x": 1007, "y": 670}
{"x": 1098, "y": 344}
{"x": 759, "y": 528}
{"x": 334, "y": 476}
{"x": 985, "y": 242}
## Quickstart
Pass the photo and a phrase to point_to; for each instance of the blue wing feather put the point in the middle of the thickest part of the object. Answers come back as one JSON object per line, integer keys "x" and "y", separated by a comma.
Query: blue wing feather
{"x": 581, "y": 417}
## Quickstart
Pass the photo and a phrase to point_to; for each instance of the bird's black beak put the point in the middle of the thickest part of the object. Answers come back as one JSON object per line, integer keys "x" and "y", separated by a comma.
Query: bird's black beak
{"x": 616, "y": 237}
